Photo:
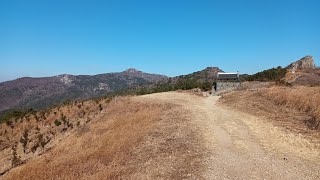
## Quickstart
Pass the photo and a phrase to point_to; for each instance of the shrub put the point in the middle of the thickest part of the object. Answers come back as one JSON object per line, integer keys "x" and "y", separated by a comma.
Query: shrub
{"x": 63, "y": 118}
{"x": 206, "y": 86}
{"x": 57, "y": 122}
{"x": 24, "y": 140}
{"x": 41, "y": 140}
{"x": 15, "y": 114}
{"x": 16, "y": 161}
{"x": 10, "y": 123}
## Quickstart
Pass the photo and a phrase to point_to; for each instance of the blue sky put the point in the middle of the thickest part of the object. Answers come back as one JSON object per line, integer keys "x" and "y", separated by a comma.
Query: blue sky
{"x": 50, "y": 37}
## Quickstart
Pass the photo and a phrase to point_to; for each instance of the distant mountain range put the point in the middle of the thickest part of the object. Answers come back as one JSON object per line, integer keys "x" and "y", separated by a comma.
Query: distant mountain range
{"x": 43, "y": 92}
{"x": 39, "y": 93}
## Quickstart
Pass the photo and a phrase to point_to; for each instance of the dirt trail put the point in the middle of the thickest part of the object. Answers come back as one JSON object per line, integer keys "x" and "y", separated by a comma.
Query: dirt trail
{"x": 243, "y": 146}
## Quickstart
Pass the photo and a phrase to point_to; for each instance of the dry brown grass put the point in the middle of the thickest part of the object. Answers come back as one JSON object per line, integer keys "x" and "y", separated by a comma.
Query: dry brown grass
{"x": 36, "y": 133}
{"x": 310, "y": 77}
{"x": 295, "y": 109}
{"x": 255, "y": 85}
{"x": 129, "y": 140}
{"x": 305, "y": 99}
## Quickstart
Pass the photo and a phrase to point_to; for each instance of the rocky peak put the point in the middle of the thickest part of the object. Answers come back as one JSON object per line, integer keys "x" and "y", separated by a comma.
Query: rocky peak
{"x": 213, "y": 69}
{"x": 132, "y": 70}
{"x": 65, "y": 78}
{"x": 304, "y": 63}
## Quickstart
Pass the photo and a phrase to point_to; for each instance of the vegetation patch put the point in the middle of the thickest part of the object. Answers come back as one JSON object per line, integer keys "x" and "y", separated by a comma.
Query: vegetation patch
{"x": 57, "y": 122}
{"x": 274, "y": 74}
{"x": 24, "y": 140}
{"x": 15, "y": 114}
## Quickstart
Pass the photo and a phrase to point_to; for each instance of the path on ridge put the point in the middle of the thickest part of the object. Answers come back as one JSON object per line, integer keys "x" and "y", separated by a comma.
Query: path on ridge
{"x": 238, "y": 151}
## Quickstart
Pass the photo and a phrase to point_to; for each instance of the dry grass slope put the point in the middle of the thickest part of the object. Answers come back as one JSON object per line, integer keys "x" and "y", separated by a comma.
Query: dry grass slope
{"x": 128, "y": 140}
{"x": 297, "y": 109}
{"x": 37, "y": 132}
{"x": 306, "y": 99}
{"x": 165, "y": 136}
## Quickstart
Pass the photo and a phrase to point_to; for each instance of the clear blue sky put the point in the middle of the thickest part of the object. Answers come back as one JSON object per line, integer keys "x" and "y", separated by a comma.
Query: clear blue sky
{"x": 171, "y": 37}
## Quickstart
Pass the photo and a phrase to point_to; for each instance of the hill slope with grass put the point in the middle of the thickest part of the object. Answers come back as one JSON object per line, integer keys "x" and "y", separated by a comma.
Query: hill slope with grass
{"x": 159, "y": 136}
{"x": 301, "y": 72}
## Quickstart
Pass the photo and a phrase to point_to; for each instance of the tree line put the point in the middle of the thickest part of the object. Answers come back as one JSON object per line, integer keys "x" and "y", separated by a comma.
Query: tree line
{"x": 274, "y": 74}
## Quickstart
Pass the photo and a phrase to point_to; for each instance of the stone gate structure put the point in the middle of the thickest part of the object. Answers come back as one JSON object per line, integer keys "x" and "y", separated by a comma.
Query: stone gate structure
{"x": 226, "y": 81}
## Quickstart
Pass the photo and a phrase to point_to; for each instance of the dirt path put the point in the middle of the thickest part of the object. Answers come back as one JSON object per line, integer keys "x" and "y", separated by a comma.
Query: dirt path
{"x": 243, "y": 146}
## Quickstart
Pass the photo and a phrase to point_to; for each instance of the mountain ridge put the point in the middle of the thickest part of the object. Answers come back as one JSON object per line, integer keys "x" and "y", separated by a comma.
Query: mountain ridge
{"x": 41, "y": 92}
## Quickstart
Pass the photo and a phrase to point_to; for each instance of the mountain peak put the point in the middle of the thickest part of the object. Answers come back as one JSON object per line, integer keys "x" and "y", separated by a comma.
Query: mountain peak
{"x": 306, "y": 62}
{"x": 132, "y": 70}
{"x": 212, "y": 69}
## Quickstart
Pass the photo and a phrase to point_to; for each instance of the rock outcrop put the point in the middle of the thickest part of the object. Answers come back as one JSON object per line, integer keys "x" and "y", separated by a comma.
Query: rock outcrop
{"x": 303, "y": 72}
{"x": 305, "y": 63}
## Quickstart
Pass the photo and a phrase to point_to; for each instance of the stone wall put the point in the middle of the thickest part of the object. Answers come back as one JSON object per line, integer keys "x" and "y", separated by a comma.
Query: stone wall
{"x": 221, "y": 86}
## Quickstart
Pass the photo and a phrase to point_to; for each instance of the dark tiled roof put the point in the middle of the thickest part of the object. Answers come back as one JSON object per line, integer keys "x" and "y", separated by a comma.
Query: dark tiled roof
{"x": 227, "y": 76}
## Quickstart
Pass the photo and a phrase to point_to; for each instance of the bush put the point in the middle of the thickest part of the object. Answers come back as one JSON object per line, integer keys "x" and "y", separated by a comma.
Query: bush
{"x": 24, "y": 140}
{"x": 10, "y": 123}
{"x": 63, "y": 118}
{"x": 16, "y": 161}
{"x": 206, "y": 86}
{"x": 15, "y": 114}
{"x": 57, "y": 122}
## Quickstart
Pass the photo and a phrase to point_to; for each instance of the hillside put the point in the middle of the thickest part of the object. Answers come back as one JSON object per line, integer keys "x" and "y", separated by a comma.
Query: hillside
{"x": 296, "y": 108}
{"x": 160, "y": 136}
{"x": 38, "y": 93}
{"x": 200, "y": 79}
{"x": 301, "y": 72}
{"x": 273, "y": 74}
{"x": 122, "y": 138}
{"x": 208, "y": 74}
